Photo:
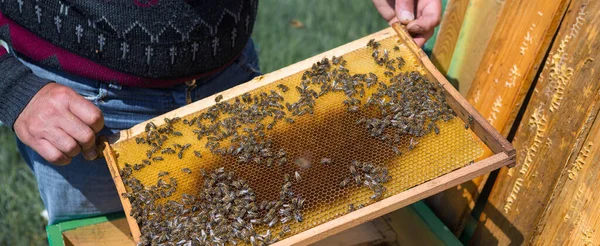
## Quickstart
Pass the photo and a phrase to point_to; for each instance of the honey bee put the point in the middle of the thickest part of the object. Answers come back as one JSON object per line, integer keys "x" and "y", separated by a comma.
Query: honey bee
{"x": 197, "y": 154}
{"x": 297, "y": 176}
{"x": 283, "y": 87}
{"x": 186, "y": 170}
{"x": 360, "y": 121}
{"x": 300, "y": 204}
{"x": 167, "y": 151}
{"x": 218, "y": 98}
{"x": 325, "y": 160}
{"x": 376, "y": 195}
{"x": 412, "y": 144}
{"x": 370, "y": 43}
{"x": 158, "y": 158}
{"x": 149, "y": 154}
{"x": 273, "y": 222}
{"x": 160, "y": 174}
{"x": 396, "y": 150}
{"x": 373, "y": 44}
{"x": 353, "y": 170}
{"x": 344, "y": 182}
{"x": 375, "y": 54}
{"x": 298, "y": 216}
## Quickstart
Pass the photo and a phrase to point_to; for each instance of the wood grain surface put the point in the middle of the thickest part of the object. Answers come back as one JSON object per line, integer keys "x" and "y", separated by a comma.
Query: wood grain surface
{"x": 514, "y": 52}
{"x": 477, "y": 28}
{"x": 449, "y": 29}
{"x": 548, "y": 199}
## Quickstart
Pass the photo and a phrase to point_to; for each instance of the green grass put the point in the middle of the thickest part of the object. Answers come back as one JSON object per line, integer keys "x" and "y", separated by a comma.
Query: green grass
{"x": 20, "y": 203}
{"x": 327, "y": 24}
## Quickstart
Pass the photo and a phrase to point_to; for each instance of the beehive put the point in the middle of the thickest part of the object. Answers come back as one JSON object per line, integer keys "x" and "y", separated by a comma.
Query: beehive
{"x": 331, "y": 132}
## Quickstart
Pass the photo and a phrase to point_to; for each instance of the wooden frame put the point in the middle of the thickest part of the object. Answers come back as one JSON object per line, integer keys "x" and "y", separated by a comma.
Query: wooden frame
{"x": 504, "y": 153}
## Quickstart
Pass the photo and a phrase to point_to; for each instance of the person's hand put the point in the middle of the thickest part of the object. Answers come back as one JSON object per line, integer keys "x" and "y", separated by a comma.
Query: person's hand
{"x": 58, "y": 124}
{"x": 428, "y": 13}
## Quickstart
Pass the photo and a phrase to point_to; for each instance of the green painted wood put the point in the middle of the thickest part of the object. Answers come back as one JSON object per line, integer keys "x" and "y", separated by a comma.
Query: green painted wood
{"x": 54, "y": 232}
{"x": 435, "y": 224}
{"x": 477, "y": 28}
{"x": 428, "y": 47}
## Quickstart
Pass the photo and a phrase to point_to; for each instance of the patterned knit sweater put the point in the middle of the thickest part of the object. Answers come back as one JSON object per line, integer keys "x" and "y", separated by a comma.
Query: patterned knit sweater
{"x": 141, "y": 43}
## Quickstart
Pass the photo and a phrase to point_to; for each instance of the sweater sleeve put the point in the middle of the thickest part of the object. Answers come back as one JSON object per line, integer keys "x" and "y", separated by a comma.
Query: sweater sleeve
{"x": 18, "y": 85}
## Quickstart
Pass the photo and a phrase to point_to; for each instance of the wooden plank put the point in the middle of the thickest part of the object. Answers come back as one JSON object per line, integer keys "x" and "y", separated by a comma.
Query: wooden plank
{"x": 502, "y": 80}
{"x": 513, "y": 57}
{"x": 477, "y": 28}
{"x": 115, "y": 232}
{"x": 111, "y": 161}
{"x": 572, "y": 214}
{"x": 366, "y": 233}
{"x": 552, "y": 139}
{"x": 454, "y": 205}
{"x": 449, "y": 30}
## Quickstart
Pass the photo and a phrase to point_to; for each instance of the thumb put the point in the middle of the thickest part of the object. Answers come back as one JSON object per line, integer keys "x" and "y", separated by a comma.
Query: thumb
{"x": 405, "y": 11}
{"x": 90, "y": 154}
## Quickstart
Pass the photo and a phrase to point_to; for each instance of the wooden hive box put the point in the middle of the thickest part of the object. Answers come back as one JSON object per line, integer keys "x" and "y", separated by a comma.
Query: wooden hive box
{"x": 440, "y": 162}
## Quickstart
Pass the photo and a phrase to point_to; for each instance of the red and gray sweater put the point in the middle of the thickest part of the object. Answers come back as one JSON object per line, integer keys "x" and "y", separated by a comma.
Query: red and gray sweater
{"x": 139, "y": 43}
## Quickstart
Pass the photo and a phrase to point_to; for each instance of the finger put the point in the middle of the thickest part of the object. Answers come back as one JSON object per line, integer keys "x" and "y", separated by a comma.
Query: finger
{"x": 386, "y": 9}
{"x": 429, "y": 17}
{"x": 50, "y": 153}
{"x": 90, "y": 154}
{"x": 62, "y": 141}
{"x": 81, "y": 132}
{"x": 420, "y": 39}
{"x": 87, "y": 112}
{"x": 405, "y": 11}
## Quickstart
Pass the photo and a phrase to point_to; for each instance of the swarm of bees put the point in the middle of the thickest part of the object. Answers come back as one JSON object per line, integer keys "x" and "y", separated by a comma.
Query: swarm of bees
{"x": 225, "y": 210}
{"x": 368, "y": 175}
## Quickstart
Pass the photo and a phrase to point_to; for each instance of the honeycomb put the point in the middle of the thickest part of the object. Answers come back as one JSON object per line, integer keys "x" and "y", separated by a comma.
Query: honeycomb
{"x": 331, "y": 132}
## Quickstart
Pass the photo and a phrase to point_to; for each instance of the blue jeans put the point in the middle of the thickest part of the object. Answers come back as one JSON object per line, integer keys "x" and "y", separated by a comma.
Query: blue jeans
{"x": 85, "y": 188}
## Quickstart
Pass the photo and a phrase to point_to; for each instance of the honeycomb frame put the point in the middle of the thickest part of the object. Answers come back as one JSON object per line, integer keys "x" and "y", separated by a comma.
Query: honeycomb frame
{"x": 504, "y": 153}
